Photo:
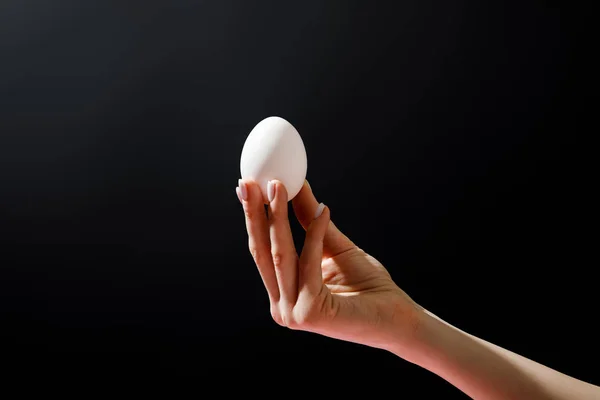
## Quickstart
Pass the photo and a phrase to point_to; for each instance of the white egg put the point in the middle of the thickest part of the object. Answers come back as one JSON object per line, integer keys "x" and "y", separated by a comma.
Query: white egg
{"x": 274, "y": 150}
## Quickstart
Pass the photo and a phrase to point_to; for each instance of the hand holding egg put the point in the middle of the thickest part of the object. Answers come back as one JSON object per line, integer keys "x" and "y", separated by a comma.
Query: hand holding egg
{"x": 331, "y": 287}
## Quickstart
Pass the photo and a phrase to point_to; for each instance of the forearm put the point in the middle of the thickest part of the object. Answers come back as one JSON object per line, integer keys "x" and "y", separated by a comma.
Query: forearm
{"x": 485, "y": 371}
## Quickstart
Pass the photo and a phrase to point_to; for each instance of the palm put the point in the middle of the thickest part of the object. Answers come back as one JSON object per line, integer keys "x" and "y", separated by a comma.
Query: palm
{"x": 361, "y": 295}
{"x": 355, "y": 272}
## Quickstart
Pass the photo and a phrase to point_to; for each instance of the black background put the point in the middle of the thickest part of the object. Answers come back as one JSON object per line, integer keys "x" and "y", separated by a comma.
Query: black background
{"x": 446, "y": 137}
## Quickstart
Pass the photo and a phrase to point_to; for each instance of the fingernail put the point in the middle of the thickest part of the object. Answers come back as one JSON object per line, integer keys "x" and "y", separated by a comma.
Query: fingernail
{"x": 239, "y": 195}
{"x": 319, "y": 211}
{"x": 243, "y": 190}
{"x": 271, "y": 190}
{"x": 308, "y": 184}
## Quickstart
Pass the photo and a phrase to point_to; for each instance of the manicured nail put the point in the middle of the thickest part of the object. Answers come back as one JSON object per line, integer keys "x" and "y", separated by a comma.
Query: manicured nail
{"x": 243, "y": 190}
{"x": 239, "y": 195}
{"x": 271, "y": 190}
{"x": 308, "y": 184}
{"x": 319, "y": 211}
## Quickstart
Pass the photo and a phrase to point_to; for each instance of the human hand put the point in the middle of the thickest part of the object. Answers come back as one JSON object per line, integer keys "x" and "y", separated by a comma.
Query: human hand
{"x": 333, "y": 287}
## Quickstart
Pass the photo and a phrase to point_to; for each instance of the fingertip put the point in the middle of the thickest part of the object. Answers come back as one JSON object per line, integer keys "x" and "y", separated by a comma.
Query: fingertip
{"x": 239, "y": 194}
{"x": 326, "y": 213}
{"x": 242, "y": 190}
{"x": 250, "y": 192}
{"x": 277, "y": 191}
{"x": 319, "y": 210}
{"x": 277, "y": 199}
{"x": 320, "y": 221}
{"x": 325, "y": 216}
{"x": 305, "y": 205}
{"x": 282, "y": 191}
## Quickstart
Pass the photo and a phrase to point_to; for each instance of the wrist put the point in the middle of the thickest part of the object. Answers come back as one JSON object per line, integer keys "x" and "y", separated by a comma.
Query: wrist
{"x": 436, "y": 340}
{"x": 437, "y": 344}
{"x": 424, "y": 331}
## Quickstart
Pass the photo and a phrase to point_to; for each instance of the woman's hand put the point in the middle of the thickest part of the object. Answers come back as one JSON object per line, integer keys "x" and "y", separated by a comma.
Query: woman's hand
{"x": 336, "y": 289}
{"x": 333, "y": 287}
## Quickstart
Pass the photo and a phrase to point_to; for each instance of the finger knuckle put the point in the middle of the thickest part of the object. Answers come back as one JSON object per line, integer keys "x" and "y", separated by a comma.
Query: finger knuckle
{"x": 309, "y": 316}
{"x": 249, "y": 213}
{"x": 289, "y": 320}
{"x": 278, "y": 259}
{"x": 302, "y": 321}
{"x": 284, "y": 316}
{"x": 276, "y": 315}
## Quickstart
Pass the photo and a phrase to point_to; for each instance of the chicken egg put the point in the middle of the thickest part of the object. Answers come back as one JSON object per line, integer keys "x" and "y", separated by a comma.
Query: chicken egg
{"x": 274, "y": 150}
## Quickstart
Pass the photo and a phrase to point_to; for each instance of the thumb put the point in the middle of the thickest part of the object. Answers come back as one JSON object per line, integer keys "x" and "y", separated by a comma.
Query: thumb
{"x": 305, "y": 205}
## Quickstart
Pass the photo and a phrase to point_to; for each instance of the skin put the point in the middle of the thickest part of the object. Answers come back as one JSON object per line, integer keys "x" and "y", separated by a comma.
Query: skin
{"x": 334, "y": 288}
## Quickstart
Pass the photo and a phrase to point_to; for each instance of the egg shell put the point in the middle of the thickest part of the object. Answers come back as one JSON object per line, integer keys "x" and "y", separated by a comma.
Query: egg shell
{"x": 274, "y": 150}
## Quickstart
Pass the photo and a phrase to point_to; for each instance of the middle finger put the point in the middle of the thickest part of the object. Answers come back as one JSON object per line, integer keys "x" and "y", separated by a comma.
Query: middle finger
{"x": 283, "y": 250}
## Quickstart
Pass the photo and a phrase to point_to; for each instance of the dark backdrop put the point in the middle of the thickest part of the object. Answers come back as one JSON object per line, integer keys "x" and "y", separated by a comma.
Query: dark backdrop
{"x": 444, "y": 136}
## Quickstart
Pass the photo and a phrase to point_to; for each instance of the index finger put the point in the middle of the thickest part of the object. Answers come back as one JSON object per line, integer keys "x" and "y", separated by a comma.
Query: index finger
{"x": 258, "y": 234}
